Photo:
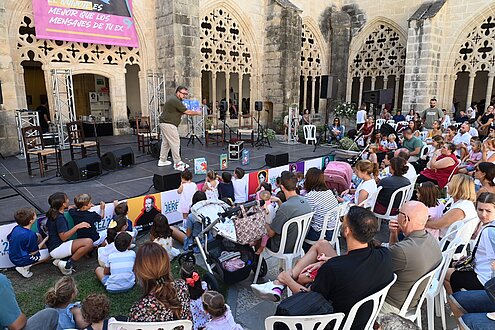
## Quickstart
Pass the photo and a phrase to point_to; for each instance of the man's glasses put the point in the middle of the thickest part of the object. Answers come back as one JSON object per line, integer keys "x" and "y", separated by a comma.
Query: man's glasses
{"x": 406, "y": 217}
{"x": 185, "y": 94}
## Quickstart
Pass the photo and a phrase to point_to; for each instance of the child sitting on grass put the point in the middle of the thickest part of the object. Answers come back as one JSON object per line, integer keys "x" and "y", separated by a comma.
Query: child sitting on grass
{"x": 123, "y": 209}
{"x": 95, "y": 310}
{"x": 61, "y": 297}
{"x": 118, "y": 276}
{"x": 161, "y": 233}
{"x": 196, "y": 288}
{"x": 82, "y": 214}
{"x": 119, "y": 224}
{"x": 221, "y": 317}
{"x": 24, "y": 244}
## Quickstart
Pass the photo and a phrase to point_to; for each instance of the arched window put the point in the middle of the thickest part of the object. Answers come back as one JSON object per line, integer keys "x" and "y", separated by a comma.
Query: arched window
{"x": 475, "y": 66}
{"x": 310, "y": 70}
{"x": 379, "y": 63}
{"x": 226, "y": 65}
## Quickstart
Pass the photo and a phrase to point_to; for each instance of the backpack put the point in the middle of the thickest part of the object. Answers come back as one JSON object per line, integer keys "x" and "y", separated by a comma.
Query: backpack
{"x": 338, "y": 176}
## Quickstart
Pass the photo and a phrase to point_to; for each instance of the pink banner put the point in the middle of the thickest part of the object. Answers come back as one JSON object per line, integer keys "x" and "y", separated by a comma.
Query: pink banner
{"x": 108, "y": 22}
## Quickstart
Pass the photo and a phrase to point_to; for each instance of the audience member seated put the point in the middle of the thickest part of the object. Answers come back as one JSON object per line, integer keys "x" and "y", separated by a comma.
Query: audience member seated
{"x": 367, "y": 129}
{"x": 428, "y": 194}
{"x": 61, "y": 297}
{"x": 96, "y": 310}
{"x": 345, "y": 279}
{"x": 485, "y": 173}
{"x": 82, "y": 213}
{"x": 221, "y": 316}
{"x": 450, "y": 133}
{"x": 165, "y": 299}
{"x": 462, "y": 117}
{"x": 471, "y": 308}
{"x": 24, "y": 244}
{"x": 59, "y": 241}
{"x": 398, "y": 116}
{"x": 405, "y": 262}
{"x": 436, "y": 130}
{"x": 483, "y": 253}
{"x": 462, "y": 140}
{"x": 322, "y": 200}
{"x": 485, "y": 121}
{"x": 293, "y": 207}
{"x": 404, "y": 154}
{"x": 117, "y": 275}
{"x": 446, "y": 118}
{"x": 412, "y": 144}
{"x": 440, "y": 167}
{"x": 367, "y": 171}
{"x": 11, "y": 316}
{"x": 193, "y": 224}
{"x": 390, "y": 184}
{"x": 488, "y": 150}
{"x": 461, "y": 190}
{"x": 472, "y": 159}
{"x": 336, "y": 131}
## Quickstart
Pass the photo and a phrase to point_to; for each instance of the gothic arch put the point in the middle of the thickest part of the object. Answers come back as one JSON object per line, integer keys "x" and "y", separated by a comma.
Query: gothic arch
{"x": 312, "y": 54}
{"x": 379, "y": 51}
{"x": 228, "y": 57}
{"x": 472, "y": 58}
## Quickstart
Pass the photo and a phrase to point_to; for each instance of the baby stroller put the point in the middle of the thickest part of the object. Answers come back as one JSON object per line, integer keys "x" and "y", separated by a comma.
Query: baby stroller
{"x": 224, "y": 257}
{"x": 338, "y": 176}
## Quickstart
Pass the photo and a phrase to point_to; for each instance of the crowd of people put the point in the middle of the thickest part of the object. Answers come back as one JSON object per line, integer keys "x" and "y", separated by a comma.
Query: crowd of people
{"x": 460, "y": 160}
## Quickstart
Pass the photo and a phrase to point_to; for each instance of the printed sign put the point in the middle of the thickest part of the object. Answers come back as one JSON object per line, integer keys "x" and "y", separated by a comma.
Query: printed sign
{"x": 107, "y": 22}
{"x": 200, "y": 166}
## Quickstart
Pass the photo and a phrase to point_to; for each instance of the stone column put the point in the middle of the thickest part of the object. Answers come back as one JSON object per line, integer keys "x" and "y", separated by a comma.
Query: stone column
{"x": 282, "y": 56}
{"x": 373, "y": 82}
{"x": 313, "y": 87}
{"x": 143, "y": 88}
{"x": 361, "y": 84}
{"x": 469, "y": 99}
{"x": 348, "y": 93}
{"x": 489, "y": 89}
{"x": 239, "y": 105}
{"x": 214, "y": 95}
{"x": 397, "y": 87}
{"x": 118, "y": 101}
{"x": 227, "y": 93}
{"x": 305, "y": 91}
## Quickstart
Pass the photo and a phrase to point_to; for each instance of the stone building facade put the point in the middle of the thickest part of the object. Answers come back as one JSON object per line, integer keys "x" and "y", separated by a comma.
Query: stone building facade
{"x": 273, "y": 51}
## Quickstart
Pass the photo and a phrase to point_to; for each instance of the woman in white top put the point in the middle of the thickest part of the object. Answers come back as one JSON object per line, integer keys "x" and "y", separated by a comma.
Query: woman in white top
{"x": 322, "y": 200}
{"x": 368, "y": 172}
{"x": 488, "y": 151}
{"x": 484, "y": 255}
{"x": 461, "y": 189}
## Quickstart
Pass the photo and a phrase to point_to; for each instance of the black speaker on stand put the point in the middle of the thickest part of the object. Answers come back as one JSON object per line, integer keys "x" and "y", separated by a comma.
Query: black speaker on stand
{"x": 118, "y": 159}
{"x": 81, "y": 169}
{"x": 378, "y": 97}
{"x": 329, "y": 85}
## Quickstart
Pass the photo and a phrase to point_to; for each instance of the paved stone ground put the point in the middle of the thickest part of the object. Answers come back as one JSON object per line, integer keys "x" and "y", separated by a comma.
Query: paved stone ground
{"x": 251, "y": 312}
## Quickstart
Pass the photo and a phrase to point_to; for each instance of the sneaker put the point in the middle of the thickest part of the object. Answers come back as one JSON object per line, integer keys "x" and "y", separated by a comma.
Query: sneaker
{"x": 63, "y": 270}
{"x": 24, "y": 271}
{"x": 266, "y": 291}
{"x": 180, "y": 166}
{"x": 55, "y": 262}
{"x": 165, "y": 163}
{"x": 491, "y": 316}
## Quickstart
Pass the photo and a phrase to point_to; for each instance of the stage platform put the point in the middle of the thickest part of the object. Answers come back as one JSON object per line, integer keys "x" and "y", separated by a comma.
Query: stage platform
{"x": 132, "y": 181}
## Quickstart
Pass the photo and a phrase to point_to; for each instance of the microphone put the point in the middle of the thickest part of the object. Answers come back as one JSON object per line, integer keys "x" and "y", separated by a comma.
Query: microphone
{"x": 233, "y": 210}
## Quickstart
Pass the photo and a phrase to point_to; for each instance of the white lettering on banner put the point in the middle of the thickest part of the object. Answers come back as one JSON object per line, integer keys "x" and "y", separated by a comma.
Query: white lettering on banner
{"x": 63, "y": 12}
{"x": 70, "y": 22}
{"x": 170, "y": 200}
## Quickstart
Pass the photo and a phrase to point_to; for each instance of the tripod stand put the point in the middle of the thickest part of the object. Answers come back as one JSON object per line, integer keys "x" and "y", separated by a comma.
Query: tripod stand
{"x": 262, "y": 139}
{"x": 192, "y": 133}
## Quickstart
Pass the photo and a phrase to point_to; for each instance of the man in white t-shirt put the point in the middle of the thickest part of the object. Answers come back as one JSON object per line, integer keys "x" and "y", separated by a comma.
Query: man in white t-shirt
{"x": 462, "y": 140}
{"x": 361, "y": 116}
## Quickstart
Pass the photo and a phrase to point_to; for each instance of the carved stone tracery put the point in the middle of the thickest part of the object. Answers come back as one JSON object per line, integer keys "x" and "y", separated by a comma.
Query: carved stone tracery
{"x": 310, "y": 54}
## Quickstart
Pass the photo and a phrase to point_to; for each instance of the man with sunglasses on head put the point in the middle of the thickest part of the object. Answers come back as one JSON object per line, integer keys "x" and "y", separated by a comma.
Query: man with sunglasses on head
{"x": 413, "y": 257}
{"x": 170, "y": 118}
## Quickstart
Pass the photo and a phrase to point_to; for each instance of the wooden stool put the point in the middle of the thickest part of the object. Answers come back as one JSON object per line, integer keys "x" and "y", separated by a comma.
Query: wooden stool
{"x": 246, "y": 131}
{"x": 214, "y": 135}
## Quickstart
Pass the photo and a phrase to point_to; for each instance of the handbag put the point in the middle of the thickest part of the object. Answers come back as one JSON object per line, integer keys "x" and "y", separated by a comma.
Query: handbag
{"x": 466, "y": 264}
{"x": 250, "y": 227}
{"x": 490, "y": 288}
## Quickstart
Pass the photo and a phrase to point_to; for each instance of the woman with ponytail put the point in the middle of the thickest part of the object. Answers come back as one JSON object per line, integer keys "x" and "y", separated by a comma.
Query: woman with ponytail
{"x": 398, "y": 167}
{"x": 59, "y": 243}
{"x": 165, "y": 299}
{"x": 367, "y": 171}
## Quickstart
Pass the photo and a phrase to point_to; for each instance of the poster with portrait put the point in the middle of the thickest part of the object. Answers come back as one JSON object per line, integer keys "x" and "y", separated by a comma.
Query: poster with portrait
{"x": 143, "y": 209}
{"x": 325, "y": 160}
{"x": 312, "y": 163}
{"x": 255, "y": 178}
{"x": 296, "y": 167}
{"x": 274, "y": 173}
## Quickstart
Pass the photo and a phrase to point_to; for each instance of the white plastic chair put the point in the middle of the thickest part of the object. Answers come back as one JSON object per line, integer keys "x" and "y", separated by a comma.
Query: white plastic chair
{"x": 170, "y": 325}
{"x": 335, "y": 213}
{"x": 414, "y": 313}
{"x": 411, "y": 190}
{"x": 379, "y": 123}
{"x": 454, "y": 231}
{"x": 377, "y": 299}
{"x": 404, "y": 191}
{"x": 390, "y": 121}
{"x": 435, "y": 296}
{"x": 371, "y": 198}
{"x": 313, "y": 322}
{"x": 309, "y": 133}
{"x": 424, "y": 135}
{"x": 425, "y": 150}
{"x": 454, "y": 171}
{"x": 302, "y": 222}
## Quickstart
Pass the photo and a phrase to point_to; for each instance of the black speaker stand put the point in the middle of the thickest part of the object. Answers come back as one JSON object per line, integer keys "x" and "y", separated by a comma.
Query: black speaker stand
{"x": 262, "y": 139}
